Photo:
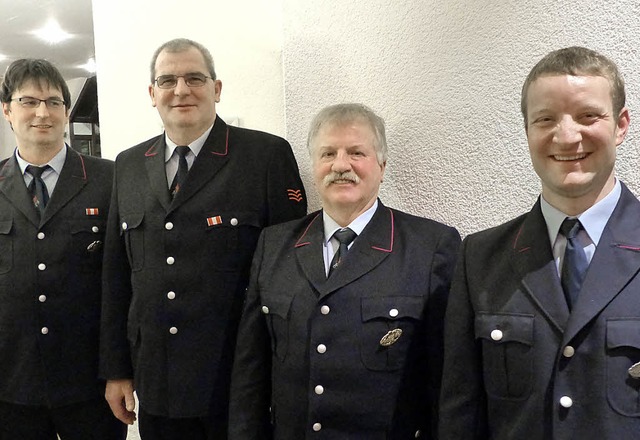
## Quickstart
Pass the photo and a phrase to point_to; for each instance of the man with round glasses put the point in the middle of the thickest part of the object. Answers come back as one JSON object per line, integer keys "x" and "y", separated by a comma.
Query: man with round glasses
{"x": 188, "y": 207}
{"x": 53, "y": 213}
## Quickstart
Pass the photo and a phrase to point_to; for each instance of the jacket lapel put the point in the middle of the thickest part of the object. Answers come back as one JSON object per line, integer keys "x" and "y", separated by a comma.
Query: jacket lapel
{"x": 73, "y": 178}
{"x": 309, "y": 252}
{"x": 615, "y": 262}
{"x": 368, "y": 250}
{"x": 13, "y": 187}
{"x": 213, "y": 156}
{"x": 156, "y": 171}
{"x": 533, "y": 260}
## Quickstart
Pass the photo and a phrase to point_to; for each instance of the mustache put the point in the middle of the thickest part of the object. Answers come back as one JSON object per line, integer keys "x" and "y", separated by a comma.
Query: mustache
{"x": 334, "y": 176}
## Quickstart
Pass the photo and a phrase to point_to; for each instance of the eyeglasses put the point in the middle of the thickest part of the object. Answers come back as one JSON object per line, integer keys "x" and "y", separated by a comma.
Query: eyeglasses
{"x": 190, "y": 79}
{"x": 29, "y": 102}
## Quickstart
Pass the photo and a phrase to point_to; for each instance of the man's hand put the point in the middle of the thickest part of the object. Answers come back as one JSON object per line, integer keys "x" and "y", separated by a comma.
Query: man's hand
{"x": 119, "y": 395}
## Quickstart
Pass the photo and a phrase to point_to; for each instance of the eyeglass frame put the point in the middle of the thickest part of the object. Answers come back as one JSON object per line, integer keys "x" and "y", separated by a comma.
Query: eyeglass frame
{"x": 184, "y": 77}
{"x": 52, "y": 103}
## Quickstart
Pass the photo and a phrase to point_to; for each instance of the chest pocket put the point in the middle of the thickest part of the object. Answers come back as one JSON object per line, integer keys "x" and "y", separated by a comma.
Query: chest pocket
{"x": 388, "y": 326}
{"x": 276, "y": 308}
{"x": 230, "y": 238}
{"x": 507, "y": 353}
{"x": 88, "y": 243}
{"x": 131, "y": 228}
{"x": 623, "y": 351}
{"x": 6, "y": 246}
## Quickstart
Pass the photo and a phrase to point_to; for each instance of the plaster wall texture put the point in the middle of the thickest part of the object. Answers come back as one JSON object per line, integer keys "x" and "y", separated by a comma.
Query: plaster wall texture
{"x": 245, "y": 39}
{"x": 446, "y": 76}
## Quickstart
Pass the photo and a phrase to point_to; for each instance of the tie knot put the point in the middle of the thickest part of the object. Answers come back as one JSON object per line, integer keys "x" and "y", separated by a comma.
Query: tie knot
{"x": 35, "y": 171}
{"x": 570, "y": 227}
{"x": 345, "y": 236}
{"x": 182, "y": 150}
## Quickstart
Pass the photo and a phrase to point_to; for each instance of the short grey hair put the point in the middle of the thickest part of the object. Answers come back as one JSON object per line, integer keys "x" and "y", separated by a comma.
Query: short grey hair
{"x": 181, "y": 45}
{"x": 341, "y": 114}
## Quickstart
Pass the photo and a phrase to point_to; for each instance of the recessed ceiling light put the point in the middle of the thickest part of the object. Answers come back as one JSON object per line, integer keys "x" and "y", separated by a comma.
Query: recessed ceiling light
{"x": 52, "y": 32}
{"x": 89, "y": 66}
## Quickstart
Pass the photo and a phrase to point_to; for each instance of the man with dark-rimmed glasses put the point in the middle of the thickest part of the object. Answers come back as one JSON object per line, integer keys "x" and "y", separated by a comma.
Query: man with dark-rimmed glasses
{"x": 53, "y": 212}
{"x": 188, "y": 207}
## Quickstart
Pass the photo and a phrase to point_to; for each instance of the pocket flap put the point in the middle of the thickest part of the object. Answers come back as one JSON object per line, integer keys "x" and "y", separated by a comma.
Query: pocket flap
{"x": 623, "y": 333}
{"x": 392, "y": 307}
{"x": 87, "y": 225}
{"x": 276, "y": 305}
{"x": 505, "y": 327}
{"x": 5, "y": 226}
{"x": 131, "y": 220}
{"x": 217, "y": 219}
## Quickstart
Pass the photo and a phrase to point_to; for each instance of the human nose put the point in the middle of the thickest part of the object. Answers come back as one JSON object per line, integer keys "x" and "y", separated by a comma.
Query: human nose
{"x": 567, "y": 131}
{"x": 42, "y": 110}
{"x": 181, "y": 87}
{"x": 341, "y": 163}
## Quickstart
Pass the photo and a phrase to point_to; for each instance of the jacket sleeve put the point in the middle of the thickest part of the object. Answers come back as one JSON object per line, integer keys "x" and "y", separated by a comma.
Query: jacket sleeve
{"x": 462, "y": 402}
{"x": 286, "y": 194}
{"x": 115, "y": 357}
{"x": 249, "y": 417}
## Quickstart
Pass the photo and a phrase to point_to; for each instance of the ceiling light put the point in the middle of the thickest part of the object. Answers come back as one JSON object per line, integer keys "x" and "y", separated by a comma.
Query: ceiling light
{"x": 89, "y": 66}
{"x": 52, "y": 33}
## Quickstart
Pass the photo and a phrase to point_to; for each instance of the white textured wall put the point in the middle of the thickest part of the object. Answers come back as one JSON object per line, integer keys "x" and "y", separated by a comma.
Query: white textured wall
{"x": 244, "y": 38}
{"x": 446, "y": 76}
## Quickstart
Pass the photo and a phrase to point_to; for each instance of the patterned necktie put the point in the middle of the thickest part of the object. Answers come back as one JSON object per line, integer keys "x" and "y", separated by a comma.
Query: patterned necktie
{"x": 183, "y": 169}
{"x": 575, "y": 264}
{"x": 37, "y": 188}
{"x": 344, "y": 237}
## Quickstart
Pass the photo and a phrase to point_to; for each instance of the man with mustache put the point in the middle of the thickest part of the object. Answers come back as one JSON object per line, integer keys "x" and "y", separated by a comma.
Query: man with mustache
{"x": 543, "y": 324}
{"x": 187, "y": 209}
{"x": 341, "y": 334}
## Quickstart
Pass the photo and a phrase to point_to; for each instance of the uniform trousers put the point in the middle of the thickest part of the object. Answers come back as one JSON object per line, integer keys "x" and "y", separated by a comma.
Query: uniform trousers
{"x": 91, "y": 420}
{"x": 153, "y": 427}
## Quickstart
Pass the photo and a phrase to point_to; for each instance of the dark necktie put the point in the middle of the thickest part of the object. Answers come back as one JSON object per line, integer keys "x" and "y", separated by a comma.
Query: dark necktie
{"x": 575, "y": 264}
{"x": 37, "y": 188}
{"x": 183, "y": 169}
{"x": 344, "y": 237}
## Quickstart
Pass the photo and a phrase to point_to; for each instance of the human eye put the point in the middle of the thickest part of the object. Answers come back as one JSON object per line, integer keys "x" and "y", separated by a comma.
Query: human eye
{"x": 54, "y": 103}
{"x": 29, "y": 102}
{"x": 195, "y": 79}
{"x": 167, "y": 81}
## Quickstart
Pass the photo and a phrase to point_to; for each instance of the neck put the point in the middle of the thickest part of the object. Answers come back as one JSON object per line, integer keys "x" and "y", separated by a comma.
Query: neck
{"x": 345, "y": 215}
{"x": 40, "y": 154}
{"x": 185, "y": 135}
{"x": 576, "y": 205}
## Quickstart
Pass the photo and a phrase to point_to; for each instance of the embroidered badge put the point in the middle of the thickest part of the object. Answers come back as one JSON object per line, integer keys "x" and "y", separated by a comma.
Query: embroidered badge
{"x": 295, "y": 195}
{"x": 92, "y": 211}
{"x": 212, "y": 221}
{"x": 391, "y": 337}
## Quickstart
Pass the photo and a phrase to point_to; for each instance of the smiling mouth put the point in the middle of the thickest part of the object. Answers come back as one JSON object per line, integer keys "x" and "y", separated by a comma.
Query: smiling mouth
{"x": 570, "y": 158}
{"x": 41, "y": 126}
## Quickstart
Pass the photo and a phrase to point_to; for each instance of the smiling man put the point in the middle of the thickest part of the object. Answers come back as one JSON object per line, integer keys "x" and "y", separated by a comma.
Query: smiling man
{"x": 543, "y": 324}
{"x": 53, "y": 212}
{"x": 188, "y": 207}
{"x": 341, "y": 335}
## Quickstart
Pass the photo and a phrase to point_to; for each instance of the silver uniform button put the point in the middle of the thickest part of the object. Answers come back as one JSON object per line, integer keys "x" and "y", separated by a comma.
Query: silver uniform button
{"x": 317, "y": 427}
{"x": 170, "y": 260}
{"x": 393, "y": 313}
{"x": 171, "y": 295}
{"x": 168, "y": 226}
{"x": 124, "y": 226}
{"x": 44, "y": 330}
{"x": 322, "y": 348}
{"x": 40, "y": 235}
{"x": 173, "y": 330}
{"x": 566, "y": 402}
{"x": 496, "y": 335}
{"x": 568, "y": 351}
{"x": 42, "y": 298}
{"x": 95, "y": 229}
{"x": 265, "y": 310}
{"x": 234, "y": 221}
{"x": 325, "y": 310}
{"x": 319, "y": 389}
{"x": 42, "y": 266}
